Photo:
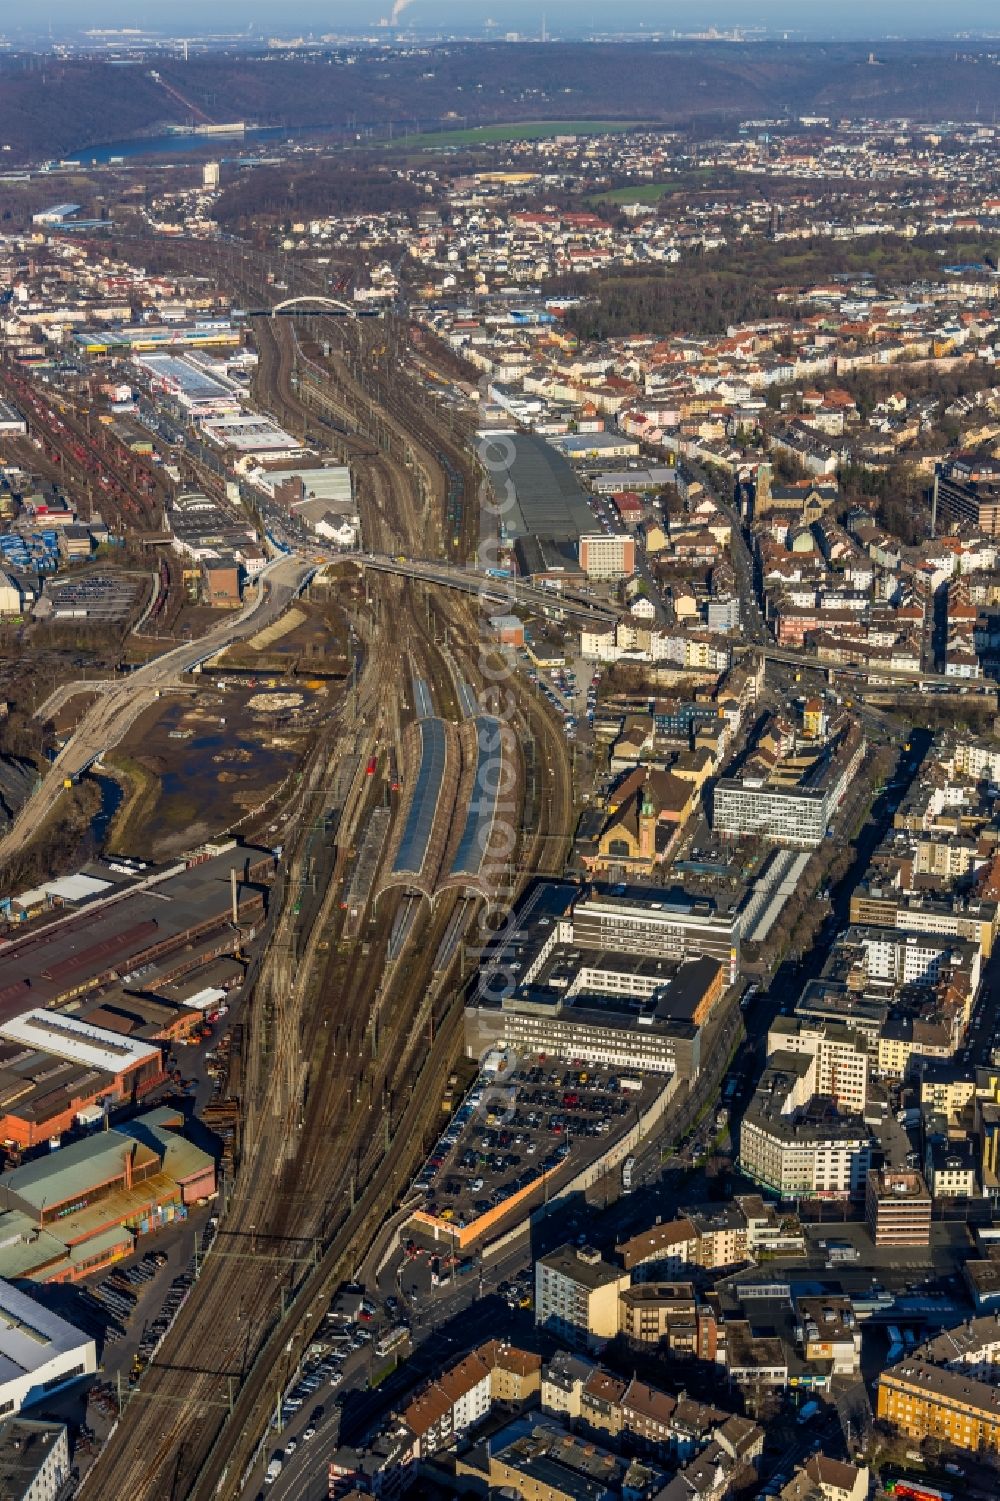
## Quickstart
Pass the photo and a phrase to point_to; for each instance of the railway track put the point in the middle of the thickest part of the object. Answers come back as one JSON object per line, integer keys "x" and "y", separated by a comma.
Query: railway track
{"x": 84, "y": 459}
{"x": 329, "y": 1070}
{"x": 346, "y": 1046}
{"x": 308, "y": 1084}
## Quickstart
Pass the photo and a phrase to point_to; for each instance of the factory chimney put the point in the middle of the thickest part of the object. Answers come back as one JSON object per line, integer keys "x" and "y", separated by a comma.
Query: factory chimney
{"x": 236, "y": 905}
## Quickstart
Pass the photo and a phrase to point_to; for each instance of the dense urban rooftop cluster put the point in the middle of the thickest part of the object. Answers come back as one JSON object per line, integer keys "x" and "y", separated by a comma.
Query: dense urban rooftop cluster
{"x": 726, "y": 1105}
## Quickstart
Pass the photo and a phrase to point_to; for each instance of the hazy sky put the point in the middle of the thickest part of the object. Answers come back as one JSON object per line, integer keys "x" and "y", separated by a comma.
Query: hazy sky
{"x": 844, "y": 17}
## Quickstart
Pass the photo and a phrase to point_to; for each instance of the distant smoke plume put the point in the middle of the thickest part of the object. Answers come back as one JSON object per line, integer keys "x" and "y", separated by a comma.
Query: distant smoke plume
{"x": 397, "y": 10}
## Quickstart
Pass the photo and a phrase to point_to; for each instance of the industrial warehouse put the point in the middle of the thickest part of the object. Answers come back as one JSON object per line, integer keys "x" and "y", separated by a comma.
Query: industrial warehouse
{"x": 536, "y": 492}
{"x": 135, "y": 962}
{"x": 39, "y": 1353}
{"x": 54, "y": 1069}
{"x": 200, "y": 392}
{"x": 174, "y": 918}
{"x": 67, "y": 1214}
{"x": 123, "y": 339}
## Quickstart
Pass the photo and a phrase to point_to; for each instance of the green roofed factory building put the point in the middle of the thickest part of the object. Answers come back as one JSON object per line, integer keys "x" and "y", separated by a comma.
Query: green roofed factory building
{"x": 67, "y": 1214}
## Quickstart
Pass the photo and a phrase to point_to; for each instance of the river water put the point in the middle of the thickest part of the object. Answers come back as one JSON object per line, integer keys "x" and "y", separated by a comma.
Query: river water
{"x": 224, "y": 147}
{"x": 111, "y": 799}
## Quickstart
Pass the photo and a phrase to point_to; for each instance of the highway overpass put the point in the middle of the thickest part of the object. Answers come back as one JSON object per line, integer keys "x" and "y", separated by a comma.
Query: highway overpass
{"x": 501, "y": 591}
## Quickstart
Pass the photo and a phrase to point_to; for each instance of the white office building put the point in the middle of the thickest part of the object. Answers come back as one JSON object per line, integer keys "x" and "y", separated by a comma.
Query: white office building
{"x": 39, "y": 1352}
{"x": 795, "y": 816}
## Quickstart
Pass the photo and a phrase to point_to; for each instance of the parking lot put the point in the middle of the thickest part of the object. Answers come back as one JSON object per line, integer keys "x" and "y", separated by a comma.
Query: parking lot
{"x": 515, "y": 1127}
{"x": 570, "y": 692}
{"x": 359, "y": 1340}
{"x": 128, "y": 1309}
{"x": 95, "y": 597}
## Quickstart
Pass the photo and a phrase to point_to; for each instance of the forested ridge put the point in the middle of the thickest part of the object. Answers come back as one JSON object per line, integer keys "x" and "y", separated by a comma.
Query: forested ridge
{"x": 53, "y": 106}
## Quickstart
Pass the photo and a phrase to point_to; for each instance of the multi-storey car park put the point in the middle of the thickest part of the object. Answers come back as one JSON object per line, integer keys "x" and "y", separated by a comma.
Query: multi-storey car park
{"x": 581, "y": 1050}
{"x": 531, "y": 1128}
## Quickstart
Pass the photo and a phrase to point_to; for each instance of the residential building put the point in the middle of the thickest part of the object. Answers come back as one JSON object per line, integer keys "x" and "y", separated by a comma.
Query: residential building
{"x": 797, "y": 1143}
{"x": 562, "y": 1383}
{"x": 515, "y": 1374}
{"x": 666, "y": 1249}
{"x": 823, "y": 1479}
{"x": 549, "y": 1465}
{"x": 972, "y": 505}
{"x": 383, "y": 1467}
{"x": 923, "y": 1401}
{"x": 840, "y": 1053}
{"x": 34, "y": 1460}
{"x": 951, "y": 1167}
{"x": 448, "y": 1407}
{"x": 653, "y": 1313}
{"x": 576, "y": 1296}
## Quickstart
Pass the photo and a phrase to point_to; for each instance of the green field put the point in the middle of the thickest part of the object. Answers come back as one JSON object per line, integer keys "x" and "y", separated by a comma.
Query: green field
{"x": 520, "y": 130}
{"x": 643, "y": 192}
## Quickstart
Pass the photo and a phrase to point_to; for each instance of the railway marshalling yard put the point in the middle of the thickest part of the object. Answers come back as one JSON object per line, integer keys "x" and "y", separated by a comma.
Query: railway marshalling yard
{"x": 353, "y": 1013}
